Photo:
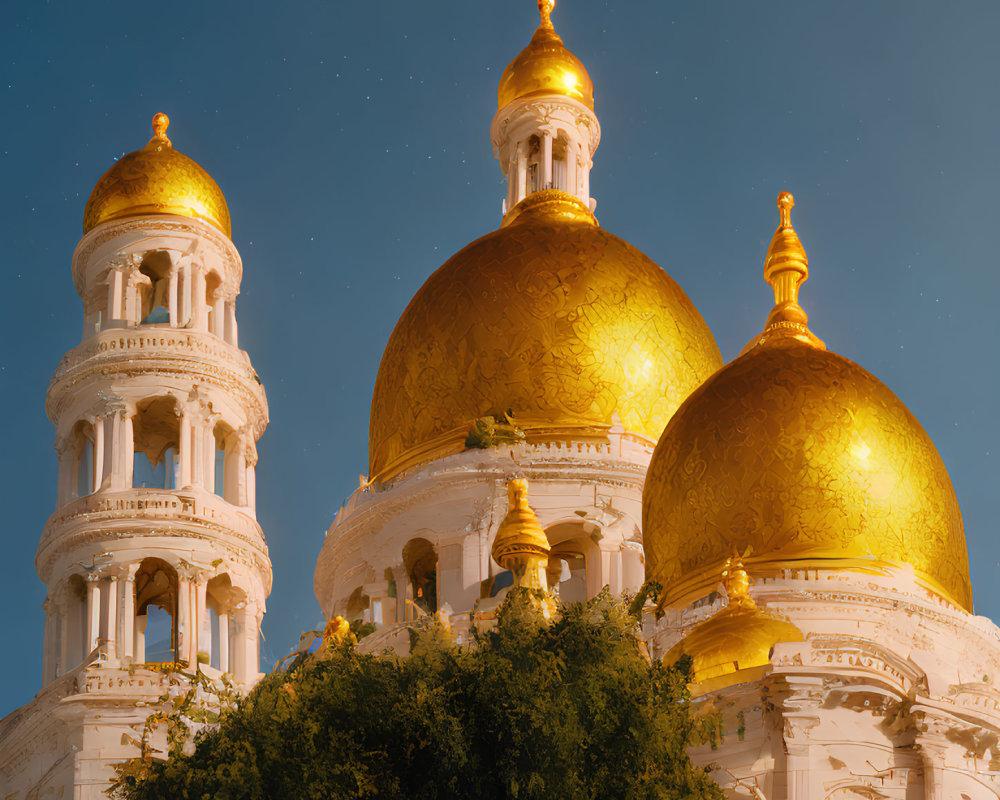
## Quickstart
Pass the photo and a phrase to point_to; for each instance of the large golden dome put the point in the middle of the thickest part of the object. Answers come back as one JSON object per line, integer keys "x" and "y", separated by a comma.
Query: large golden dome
{"x": 545, "y": 66}
{"x": 803, "y": 458}
{"x": 157, "y": 180}
{"x": 551, "y": 318}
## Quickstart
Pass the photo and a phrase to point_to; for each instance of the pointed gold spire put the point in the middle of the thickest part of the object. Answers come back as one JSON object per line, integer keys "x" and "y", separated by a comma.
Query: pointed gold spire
{"x": 786, "y": 268}
{"x": 545, "y": 8}
{"x": 521, "y": 544}
{"x": 160, "y": 124}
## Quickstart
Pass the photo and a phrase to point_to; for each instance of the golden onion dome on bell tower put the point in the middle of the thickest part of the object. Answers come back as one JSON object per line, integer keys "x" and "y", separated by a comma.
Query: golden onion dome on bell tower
{"x": 802, "y": 458}
{"x": 157, "y": 180}
{"x": 545, "y": 66}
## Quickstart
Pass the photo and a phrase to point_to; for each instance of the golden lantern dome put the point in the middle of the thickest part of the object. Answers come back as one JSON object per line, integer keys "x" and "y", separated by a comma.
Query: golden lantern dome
{"x": 551, "y": 323}
{"x": 734, "y": 645}
{"x": 157, "y": 180}
{"x": 545, "y": 66}
{"x": 802, "y": 458}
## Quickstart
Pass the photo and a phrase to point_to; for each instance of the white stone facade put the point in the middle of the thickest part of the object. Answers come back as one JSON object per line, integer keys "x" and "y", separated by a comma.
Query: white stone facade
{"x": 443, "y": 517}
{"x": 893, "y": 694}
{"x": 153, "y": 554}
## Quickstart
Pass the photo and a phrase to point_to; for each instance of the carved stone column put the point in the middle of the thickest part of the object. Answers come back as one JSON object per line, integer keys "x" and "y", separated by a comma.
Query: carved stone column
{"x": 231, "y": 330}
{"x": 49, "y": 656}
{"x": 203, "y": 629}
{"x": 126, "y": 619}
{"x": 800, "y": 714}
{"x": 93, "y": 611}
{"x": 112, "y": 617}
{"x": 932, "y": 743}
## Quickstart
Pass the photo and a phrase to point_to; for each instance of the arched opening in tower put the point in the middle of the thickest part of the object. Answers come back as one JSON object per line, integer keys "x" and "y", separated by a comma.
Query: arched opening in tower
{"x": 357, "y": 605}
{"x": 215, "y": 302}
{"x": 560, "y": 152}
{"x": 534, "y": 178}
{"x": 227, "y": 463}
{"x": 156, "y": 598}
{"x": 84, "y": 466}
{"x": 420, "y": 561}
{"x": 154, "y": 291}
{"x": 156, "y": 434}
{"x": 216, "y": 644}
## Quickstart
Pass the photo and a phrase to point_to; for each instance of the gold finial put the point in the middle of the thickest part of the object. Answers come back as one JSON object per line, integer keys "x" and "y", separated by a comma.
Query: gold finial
{"x": 521, "y": 544}
{"x": 736, "y": 580}
{"x": 785, "y": 204}
{"x": 160, "y": 124}
{"x": 545, "y": 8}
{"x": 786, "y": 268}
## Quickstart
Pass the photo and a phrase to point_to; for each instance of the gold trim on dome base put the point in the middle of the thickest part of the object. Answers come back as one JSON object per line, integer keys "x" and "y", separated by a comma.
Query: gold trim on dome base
{"x": 553, "y": 204}
{"x": 696, "y": 586}
{"x": 453, "y": 442}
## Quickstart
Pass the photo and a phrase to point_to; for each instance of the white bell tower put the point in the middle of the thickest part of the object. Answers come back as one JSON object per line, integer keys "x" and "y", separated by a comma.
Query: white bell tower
{"x": 153, "y": 559}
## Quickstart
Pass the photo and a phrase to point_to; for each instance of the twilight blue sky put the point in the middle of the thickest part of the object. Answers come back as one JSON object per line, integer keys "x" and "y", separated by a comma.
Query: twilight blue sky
{"x": 352, "y": 142}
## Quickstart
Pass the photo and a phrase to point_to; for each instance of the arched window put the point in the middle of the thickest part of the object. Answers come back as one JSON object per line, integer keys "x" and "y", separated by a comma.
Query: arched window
{"x": 227, "y": 464}
{"x": 574, "y": 561}
{"x": 534, "y": 182}
{"x": 560, "y": 175}
{"x": 156, "y": 433}
{"x": 420, "y": 561}
{"x": 357, "y": 604}
{"x": 221, "y": 598}
{"x": 155, "y": 612}
{"x": 216, "y": 304}
{"x": 84, "y": 464}
{"x": 154, "y": 295}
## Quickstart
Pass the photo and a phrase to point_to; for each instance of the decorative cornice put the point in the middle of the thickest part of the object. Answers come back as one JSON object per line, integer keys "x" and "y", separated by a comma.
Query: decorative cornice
{"x": 187, "y": 356}
{"x": 156, "y": 225}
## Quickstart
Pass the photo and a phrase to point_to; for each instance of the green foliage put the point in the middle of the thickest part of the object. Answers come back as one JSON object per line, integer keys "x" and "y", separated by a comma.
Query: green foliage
{"x": 571, "y": 709}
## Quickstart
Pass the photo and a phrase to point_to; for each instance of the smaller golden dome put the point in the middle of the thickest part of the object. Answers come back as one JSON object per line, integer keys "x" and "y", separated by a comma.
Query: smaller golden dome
{"x": 157, "y": 180}
{"x": 802, "y": 459}
{"x": 545, "y": 66}
{"x": 733, "y": 646}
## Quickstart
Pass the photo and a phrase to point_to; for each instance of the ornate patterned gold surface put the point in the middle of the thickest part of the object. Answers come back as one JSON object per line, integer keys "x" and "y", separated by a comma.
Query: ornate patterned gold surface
{"x": 545, "y": 66}
{"x": 550, "y": 317}
{"x": 804, "y": 458}
{"x": 157, "y": 180}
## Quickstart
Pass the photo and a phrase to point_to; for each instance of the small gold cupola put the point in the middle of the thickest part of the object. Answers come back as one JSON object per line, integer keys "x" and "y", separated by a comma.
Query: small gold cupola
{"x": 545, "y": 66}
{"x": 157, "y": 180}
{"x": 734, "y": 645}
{"x": 520, "y": 544}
